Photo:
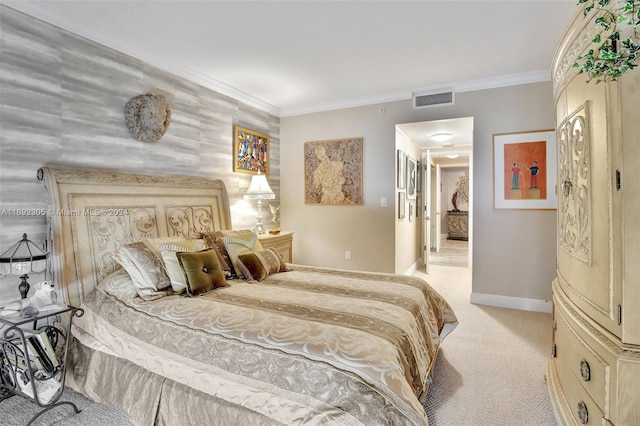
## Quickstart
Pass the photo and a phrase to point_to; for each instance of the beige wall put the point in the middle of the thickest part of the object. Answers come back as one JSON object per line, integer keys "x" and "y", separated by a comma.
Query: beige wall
{"x": 514, "y": 250}
{"x": 408, "y": 238}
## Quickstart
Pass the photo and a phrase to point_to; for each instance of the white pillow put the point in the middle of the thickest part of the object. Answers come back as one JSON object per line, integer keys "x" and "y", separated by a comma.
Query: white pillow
{"x": 145, "y": 269}
{"x": 119, "y": 285}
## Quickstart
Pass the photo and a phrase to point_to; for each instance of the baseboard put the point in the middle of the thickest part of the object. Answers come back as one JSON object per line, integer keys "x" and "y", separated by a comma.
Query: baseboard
{"x": 414, "y": 267}
{"x": 519, "y": 303}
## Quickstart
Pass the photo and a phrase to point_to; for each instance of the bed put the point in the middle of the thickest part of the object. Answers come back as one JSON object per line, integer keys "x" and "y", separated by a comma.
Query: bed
{"x": 293, "y": 344}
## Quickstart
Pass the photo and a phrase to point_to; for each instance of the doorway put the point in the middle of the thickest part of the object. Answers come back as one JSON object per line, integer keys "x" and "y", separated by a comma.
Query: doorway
{"x": 451, "y": 237}
{"x": 442, "y": 144}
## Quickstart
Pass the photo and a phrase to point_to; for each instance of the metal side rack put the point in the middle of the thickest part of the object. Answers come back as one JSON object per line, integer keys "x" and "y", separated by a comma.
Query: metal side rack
{"x": 33, "y": 357}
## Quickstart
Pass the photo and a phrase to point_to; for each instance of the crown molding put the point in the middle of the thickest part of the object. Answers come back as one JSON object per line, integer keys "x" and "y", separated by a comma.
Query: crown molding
{"x": 459, "y": 87}
{"x": 347, "y": 103}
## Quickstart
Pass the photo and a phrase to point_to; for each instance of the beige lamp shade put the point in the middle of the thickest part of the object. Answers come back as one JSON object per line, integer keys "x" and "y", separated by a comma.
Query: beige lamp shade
{"x": 259, "y": 189}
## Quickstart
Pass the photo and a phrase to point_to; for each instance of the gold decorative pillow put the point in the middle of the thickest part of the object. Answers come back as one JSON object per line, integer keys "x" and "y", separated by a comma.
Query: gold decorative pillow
{"x": 256, "y": 266}
{"x": 213, "y": 239}
{"x": 143, "y": 261}
{"x": 171, "y": 265}
{"x": 240, "y": 242}
{"x": 202, "y": 271}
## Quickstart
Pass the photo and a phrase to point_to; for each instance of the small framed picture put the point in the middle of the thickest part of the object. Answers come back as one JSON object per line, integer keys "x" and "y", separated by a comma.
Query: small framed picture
{"x": 402, "y": 170}
{"x": 250, "y": 151}
{"x": 401, "y": 204}
{"x": 524, "y": 170}
{"x": 412, "y": 178}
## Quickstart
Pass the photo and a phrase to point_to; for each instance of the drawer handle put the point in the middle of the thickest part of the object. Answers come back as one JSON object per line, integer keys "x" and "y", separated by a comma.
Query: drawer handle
{"x": 583, "y": 413}
{"x": 585, "y": 370}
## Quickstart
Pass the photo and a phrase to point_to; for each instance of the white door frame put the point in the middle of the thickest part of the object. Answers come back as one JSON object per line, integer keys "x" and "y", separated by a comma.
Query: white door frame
{"x": 426, "y": 208}
{"x": 437, "y": 204}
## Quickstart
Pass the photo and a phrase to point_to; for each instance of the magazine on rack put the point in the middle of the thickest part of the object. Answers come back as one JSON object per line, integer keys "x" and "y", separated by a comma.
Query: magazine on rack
{"x": 39, "y": 345}
{"x": 46, "y": 389}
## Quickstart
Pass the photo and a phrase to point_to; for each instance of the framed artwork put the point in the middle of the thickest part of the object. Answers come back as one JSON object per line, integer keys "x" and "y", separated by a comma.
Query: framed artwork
{"x": 333, "y": 172}
{"x": 401, "y": 204}
{"x": 410, "y": 212}
{"x": 250, "y": 151}
{"x": 412, "y": 178}
{"x": 419, "y": 178}
{"x": 401, "y": 179}
{"x": 524, "y": 170}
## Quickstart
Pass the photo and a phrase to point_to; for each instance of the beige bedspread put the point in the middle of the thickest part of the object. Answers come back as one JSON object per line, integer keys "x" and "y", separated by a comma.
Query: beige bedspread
{"x": 309, "y": 346}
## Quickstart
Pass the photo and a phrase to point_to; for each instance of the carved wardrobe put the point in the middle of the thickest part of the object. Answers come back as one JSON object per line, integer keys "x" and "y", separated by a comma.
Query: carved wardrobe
{"x": 594, "y": 372}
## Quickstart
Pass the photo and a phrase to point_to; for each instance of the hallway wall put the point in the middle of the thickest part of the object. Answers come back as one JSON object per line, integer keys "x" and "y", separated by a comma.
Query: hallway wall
{"x": 514, "y": 250}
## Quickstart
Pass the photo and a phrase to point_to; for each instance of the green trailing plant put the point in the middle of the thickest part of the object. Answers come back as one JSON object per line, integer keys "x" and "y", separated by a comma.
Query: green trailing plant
{"x": 618, "y": 52}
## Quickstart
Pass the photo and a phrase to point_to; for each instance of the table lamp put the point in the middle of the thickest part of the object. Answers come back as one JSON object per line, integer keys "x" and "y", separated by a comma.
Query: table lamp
{"x": 20, "y": 259}
{"x": 259, "y": 189}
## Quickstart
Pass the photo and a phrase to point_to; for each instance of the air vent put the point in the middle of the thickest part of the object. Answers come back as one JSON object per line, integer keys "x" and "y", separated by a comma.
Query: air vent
{"x": 428, "y": 100}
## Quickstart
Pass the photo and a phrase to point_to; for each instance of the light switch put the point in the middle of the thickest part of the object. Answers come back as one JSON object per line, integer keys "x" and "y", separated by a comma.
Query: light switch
{"x": 383, "y": 202}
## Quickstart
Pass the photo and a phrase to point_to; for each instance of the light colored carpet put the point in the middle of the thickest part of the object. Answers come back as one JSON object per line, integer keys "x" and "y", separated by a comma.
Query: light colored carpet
{"x": 490, "y": 370}
{"x": 17, "y": 411}
{"x": 452, "y": 253}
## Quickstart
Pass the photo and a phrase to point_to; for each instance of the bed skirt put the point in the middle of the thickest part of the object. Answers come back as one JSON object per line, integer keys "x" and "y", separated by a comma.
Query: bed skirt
{"x": 147, "y": 398}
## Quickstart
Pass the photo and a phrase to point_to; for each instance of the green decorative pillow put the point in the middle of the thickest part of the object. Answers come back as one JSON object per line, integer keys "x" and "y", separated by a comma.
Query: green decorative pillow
{"x": 256, "y": 266}
{"x": 174, "y": 271}
{"x": 202, "y": 271}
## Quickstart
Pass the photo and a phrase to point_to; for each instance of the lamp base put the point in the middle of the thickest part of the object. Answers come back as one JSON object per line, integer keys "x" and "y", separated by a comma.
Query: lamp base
{"x": 259, "y": 228}
{"x": 24, "y": 286}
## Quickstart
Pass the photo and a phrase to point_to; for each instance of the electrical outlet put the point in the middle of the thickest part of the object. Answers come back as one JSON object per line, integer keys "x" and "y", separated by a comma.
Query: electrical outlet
{"x": 347, "y": 255}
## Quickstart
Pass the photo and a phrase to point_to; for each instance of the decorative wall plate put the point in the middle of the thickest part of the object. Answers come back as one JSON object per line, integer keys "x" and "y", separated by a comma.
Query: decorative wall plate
{"x": 147, "y": 117}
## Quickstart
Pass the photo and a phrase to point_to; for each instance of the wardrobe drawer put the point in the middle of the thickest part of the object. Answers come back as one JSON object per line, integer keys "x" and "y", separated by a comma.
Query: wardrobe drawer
{"x": 574, "y": 355}
{"x": 582, "y": 407}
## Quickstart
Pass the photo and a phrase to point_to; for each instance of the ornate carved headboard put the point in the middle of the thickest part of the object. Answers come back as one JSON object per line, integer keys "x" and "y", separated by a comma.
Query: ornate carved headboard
{"x": 94, "y": 212}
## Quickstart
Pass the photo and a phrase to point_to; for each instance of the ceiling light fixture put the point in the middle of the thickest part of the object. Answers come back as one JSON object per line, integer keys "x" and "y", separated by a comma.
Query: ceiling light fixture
{"x": 452, "y": 156}
{"x": 441, "y": 137}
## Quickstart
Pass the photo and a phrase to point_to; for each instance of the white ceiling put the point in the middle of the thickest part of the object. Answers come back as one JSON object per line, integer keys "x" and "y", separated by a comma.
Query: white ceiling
{"x": 460, "y": 129}
{"x": 294, "y": 57}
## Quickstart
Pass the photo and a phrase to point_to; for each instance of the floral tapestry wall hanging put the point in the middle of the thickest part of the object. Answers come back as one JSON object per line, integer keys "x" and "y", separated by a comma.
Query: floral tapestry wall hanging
{"x": 333, "y": 172}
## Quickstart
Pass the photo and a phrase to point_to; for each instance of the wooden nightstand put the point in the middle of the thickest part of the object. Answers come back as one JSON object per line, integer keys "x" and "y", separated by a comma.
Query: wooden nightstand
{"x": 282, "y": 243}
